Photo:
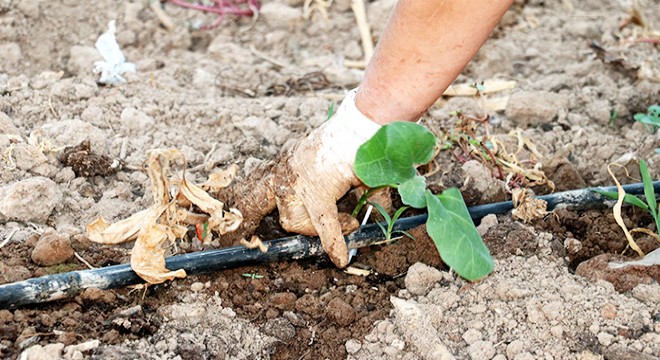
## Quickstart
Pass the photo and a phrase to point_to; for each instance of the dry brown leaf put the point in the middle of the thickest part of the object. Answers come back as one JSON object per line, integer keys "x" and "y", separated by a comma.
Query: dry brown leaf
{"x": 173, "y": 200}
{"x": 255, "y": 242}
{"x": 102, "y": 232}
{"x": 148, "y": 255}
{"x": 527, "y": 208}
{"x": 220, "y": 221}
{"x": 220, "y": 179}
{"x": 616, "y": 210}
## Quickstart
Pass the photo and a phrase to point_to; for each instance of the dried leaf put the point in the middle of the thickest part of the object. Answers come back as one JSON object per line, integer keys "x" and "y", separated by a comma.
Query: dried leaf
{"x": 220, "y": 179}
{"x": 255, "y": 242}
{"x": 527, "y": 208}
{"x": 102, "y": 232}
{"x": 616, "y": 210}
{"x": 148, "y": 255}
{"x": 220, "y": 221}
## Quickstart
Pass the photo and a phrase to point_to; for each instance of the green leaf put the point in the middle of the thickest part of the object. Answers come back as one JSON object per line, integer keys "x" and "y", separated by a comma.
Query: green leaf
{"x": 454, "y": 234}
{"x": 649, "y": 192}
{"x": 413, "y": 192}
{"x": 654, "y": 112}
{"x": 398, "y": 213}
{"x": 382, "y": 211}
{"x": 628, "y": 198}
{"x": 390, "y": 156}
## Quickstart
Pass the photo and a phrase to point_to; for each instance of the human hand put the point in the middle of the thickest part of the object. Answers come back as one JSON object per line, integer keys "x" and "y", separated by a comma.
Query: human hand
{"x": 306, "y": 182}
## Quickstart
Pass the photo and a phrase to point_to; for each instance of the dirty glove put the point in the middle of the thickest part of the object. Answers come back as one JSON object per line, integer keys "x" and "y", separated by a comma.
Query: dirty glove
{"x": 306, "y": 182}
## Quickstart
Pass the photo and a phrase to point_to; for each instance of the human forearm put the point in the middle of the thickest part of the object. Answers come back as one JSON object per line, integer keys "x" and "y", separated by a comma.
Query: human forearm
{"x": 424, "y": 47}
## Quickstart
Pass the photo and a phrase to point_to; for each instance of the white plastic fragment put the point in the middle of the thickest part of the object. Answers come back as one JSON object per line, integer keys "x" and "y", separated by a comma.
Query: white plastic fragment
{"x": 115, "y": 64}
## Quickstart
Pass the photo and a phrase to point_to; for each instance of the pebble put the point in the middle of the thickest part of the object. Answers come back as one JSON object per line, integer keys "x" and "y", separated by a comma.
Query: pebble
{"x": 29, "y": 200}
{"x": 471, "y": 336}
{"x": 514, "y": 348}
{"x": 38, "y": 352}
{"x": 280, "y": 16}
{"x": 608, "y": 311}
{"x": 136, "y": 120}
{"x": 421, "y": 278}
{"x": 52, "y": 249}
{"x": 649, "y": 293}
{"x": 353, "y": 346}
{"x": 534, "y": 108}
{"x": 605, "y": 339}
{"x": 340, "y": 312}
{"x": 279, "y": 328}
{"x": 228, "y": 312}
{"x": 481, "y": 350}
{"x": 284, "y": 300}
{"x": 197, "y": 286}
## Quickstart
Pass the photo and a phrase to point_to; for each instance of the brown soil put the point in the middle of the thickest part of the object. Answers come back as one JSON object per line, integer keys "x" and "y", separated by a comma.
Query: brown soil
{"x": 244, "y": 92}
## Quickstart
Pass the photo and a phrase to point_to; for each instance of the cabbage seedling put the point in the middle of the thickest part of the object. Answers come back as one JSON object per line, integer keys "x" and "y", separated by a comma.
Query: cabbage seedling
{"x": 389, "y": 159}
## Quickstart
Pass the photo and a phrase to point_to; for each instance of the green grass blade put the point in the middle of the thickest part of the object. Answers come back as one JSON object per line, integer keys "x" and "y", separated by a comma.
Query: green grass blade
{"x": 649, "y": 192}
{"x": 630, "y": 199}
{"x": 382, "y": 211}
{"x": 398, "y": 213}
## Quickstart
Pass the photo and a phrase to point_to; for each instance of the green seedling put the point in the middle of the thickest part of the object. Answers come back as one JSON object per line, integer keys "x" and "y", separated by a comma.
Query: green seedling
{"x": 651, "y": 204}
{"x": 390, "y": 158}
{"x": 652, "y": 117}
{"x": 390, "y": 221}
{"x": 253, "y": 276}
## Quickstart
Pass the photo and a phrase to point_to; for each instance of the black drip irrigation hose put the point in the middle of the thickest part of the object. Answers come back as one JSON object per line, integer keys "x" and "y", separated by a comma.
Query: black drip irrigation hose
{"x": 60, "y": 286}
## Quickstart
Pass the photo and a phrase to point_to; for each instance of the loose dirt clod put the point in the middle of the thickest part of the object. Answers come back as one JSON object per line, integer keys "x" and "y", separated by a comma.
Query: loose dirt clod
{"x": 85, "y": 162}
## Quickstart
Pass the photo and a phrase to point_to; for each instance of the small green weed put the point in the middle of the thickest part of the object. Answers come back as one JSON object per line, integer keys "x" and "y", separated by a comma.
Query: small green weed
{"x": 390, "y": 221}
{"x": 652, "y": 117}
{"x": 390, "y": 158}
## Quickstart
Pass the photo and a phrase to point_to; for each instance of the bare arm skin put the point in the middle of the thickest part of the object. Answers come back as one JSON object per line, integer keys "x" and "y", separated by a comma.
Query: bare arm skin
{"x": 424, "y": 47}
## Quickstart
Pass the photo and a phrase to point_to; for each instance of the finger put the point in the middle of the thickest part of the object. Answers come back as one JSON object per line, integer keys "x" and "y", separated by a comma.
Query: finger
{"x": 324, "y": 216}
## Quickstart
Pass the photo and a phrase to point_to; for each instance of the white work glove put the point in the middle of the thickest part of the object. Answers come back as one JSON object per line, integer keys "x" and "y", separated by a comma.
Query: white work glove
{"x": 323, "y": 164}
{"x": 306, "y": 182}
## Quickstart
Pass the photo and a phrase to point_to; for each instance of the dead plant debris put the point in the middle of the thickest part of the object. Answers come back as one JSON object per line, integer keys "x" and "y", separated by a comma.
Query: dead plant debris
{"x": 84, "y": 162}
{"x": 526, "y": 207}
{"x": 470, "y": 139}
{"x": 312, "y": 81}
{"x": 177, "y": 203}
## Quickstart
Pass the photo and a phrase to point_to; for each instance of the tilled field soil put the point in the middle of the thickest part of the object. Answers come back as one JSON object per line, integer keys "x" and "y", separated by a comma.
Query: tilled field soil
{"x": 243, "y": 92}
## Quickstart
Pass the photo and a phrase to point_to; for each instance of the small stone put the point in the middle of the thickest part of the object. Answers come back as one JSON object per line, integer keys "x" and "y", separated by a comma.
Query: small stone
{"x": 228, "y": 312}
{"x": 13, "y": 273}
{"x": 514, "y": 348}
{"x": 605, "y": 339}
{"x": 7, "y": 125}
{"x": 527, "y": 108}
{"x": 487, "y": 222}
{"x": 98, "y": 295}
{"x": 339, "y": 312}
{"x": 421, "y": 278}
{"x": 134, "y": 119}
{"x": 353, "y": 346}
{"x": 29, "y": 200}
{"x": 197, "y": 286}
{"x": 52, "y": 249}
{"x": 553, "y": 310}
{"x": 48, "y": 352}
{"x": 279, "y": 328}
{"x": 81, "y": 348}
{"x": 284, "y": 300}
{"x": 471, "y": 336}
{"x": 398, "y": 344}
{"x": 524, "y": 356}
{"x": 623, "y": 276}
{"x": 557, "y": 331}
{"x": 481, "y": 350}
{"x": 280, "y": 16}
{"x": 608, "y": 311}
{"x": 649, "y": 293}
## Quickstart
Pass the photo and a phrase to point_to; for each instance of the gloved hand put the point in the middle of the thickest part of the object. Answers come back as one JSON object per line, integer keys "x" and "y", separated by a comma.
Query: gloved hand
{"x": 306, "y": 182}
